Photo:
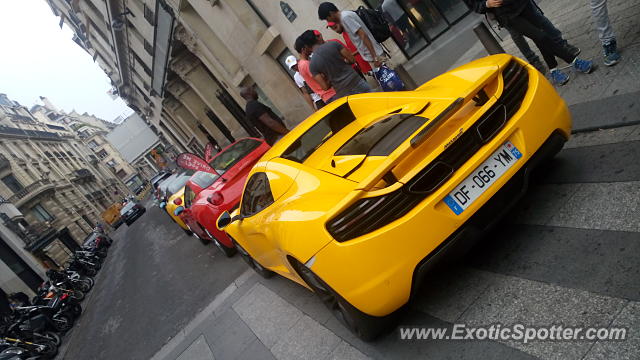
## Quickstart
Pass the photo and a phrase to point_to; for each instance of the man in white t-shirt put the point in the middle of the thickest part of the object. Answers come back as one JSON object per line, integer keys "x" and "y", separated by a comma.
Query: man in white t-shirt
{"x": 312, "y": 98}
{"x": 367, "y": 46}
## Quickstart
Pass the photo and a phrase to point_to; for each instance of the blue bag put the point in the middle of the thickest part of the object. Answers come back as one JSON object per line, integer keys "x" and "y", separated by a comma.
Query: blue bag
{"x": 388, "y": 79}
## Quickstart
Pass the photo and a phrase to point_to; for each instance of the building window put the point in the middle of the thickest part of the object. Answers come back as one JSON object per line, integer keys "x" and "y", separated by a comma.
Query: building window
{"x": 12, "y": 183}
{"x": 41, "y": 213}
{"x": 102, "y": 154}
{"x": 148, "y": 14}
{"x": 257, "y": 11}
{"x": 121, "y": 174}
{"x": 282, "y": 57}
{"x": 93, "y": 144}
{"x": 148, "y": 47}
{"x": 415, "y": 23}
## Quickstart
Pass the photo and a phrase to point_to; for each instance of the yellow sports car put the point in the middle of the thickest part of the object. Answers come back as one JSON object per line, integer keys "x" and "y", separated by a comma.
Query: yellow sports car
{"x": 362, "y": 198}
{"x": 174, "y": 201}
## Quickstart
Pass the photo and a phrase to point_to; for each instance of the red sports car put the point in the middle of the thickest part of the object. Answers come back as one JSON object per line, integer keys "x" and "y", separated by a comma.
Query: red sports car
{"x": 207, "y": 195}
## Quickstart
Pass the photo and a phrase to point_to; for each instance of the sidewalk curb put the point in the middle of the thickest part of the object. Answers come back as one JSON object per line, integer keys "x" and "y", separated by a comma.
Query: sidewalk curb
{"x": 202, "y": 316}
{"x": 605, "y": 127}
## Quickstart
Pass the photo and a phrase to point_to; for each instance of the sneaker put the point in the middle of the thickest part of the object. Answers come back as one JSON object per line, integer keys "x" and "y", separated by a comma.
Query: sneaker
{"x": 558, "y": 77}
{"x": 573, "y": 50}
{"x": 583, "y": 66}
{"x": 611, "y": 55}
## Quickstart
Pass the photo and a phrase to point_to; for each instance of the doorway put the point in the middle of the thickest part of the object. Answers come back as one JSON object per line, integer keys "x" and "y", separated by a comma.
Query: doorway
{"x": 19, "y": 267}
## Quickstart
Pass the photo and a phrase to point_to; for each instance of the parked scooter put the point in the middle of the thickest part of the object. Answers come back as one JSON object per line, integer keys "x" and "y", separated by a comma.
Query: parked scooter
{"x": 26, "y": 349}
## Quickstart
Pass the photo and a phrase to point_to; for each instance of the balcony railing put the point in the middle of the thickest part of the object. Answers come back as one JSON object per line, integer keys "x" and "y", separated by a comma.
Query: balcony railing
{"x": 83, "y": 175}
{"x": 33, "y": 188}
{"x": 34, "y": 134}
{"x": 29, "y": 234}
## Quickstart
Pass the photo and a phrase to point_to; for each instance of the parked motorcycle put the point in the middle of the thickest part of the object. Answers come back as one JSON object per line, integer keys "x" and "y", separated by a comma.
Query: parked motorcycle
{"x": 27, "y": 349}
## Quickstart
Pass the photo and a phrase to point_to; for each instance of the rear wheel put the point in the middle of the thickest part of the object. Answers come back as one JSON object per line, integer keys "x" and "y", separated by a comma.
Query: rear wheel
{"x": 76, "y": 310}
{"x": 77, "y": 295}
{"x": 48, "y": 349}
{"x": 228, "y": 252}
{"x": 53, "y": 337}
{"x": 91, "y": 272}
{"x": 82, "y": 286}
{"x": 62, "y": 322}
{"x": 364, "y": 326}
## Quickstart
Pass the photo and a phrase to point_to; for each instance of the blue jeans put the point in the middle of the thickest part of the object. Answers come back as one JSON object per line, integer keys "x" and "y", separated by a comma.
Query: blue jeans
{"x": 532, "y": 23}
{"x": 545, "y": 25}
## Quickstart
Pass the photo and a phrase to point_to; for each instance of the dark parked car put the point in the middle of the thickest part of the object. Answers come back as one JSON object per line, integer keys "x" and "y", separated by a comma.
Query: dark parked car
{"x": 131, "y": 211}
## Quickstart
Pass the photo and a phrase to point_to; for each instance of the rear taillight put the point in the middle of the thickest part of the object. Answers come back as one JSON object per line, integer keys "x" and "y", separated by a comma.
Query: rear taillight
{"x": 64, "y": 296}
{"x": 215, "y": 199}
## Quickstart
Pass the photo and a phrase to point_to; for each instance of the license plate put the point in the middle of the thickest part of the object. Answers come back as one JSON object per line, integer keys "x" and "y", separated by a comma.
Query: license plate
{"x": 482, "y": 177}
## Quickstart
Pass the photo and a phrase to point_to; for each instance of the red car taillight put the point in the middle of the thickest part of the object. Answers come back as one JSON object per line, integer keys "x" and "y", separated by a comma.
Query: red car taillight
{"x": 64, "y": 296}
{"x": 215, "y": 199}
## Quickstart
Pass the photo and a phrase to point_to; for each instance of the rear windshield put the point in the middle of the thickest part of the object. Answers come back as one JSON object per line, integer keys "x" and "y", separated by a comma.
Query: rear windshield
{"x": 127, "y": 207}
{"x": 178, "y": 183}
{"x": 163, "y": 185}
{"x": 225, "y": 160}
{"x": 319, "y": 133}
{"x": 382, "y": 137}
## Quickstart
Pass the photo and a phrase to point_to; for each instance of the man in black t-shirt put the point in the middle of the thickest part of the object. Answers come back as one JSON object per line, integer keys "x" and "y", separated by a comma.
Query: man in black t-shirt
{"x": 262, "y": 117}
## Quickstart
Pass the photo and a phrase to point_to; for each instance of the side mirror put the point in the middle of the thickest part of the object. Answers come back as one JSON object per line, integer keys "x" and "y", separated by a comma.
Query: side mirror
{"x": 224, "y": 220}
{"x": 178, "y": 211}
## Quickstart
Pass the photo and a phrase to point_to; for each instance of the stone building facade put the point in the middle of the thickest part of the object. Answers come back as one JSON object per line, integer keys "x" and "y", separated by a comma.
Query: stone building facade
{"x": 180, "y": 63}
{"x": 55, "y": 183}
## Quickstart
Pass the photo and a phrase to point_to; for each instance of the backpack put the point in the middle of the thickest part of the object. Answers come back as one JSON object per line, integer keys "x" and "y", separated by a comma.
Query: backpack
{"x": 376, "y": 23}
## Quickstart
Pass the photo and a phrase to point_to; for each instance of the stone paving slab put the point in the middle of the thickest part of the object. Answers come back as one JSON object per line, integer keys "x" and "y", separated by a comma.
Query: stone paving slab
{"x": 268, "y": 315}
{"x": 602, "y": 206}
{"x": 510, "y": 300}
{"x": 628, "y": 349}
{"x": 198, "y": 350}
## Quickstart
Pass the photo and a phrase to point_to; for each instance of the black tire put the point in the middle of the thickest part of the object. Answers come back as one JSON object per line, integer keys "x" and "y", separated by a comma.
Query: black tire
{"x": 91, "y": 272}
{"x": 365, "y": 326}
{"x": 228, "y": 252}
{"x": 82, "y": 286}
{"x": 88, "y": 279}
{"x": 77, "y": 295}
{"x": 49, "y": 350}
{"x": 53, "y": 337}
{"x": 262, "y": 271}
{"x": 75, "y": 310}
{"x": 62, "y": 323}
